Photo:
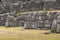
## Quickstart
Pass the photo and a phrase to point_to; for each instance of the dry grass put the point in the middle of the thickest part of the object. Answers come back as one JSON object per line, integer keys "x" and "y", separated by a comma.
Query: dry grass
{"x": 18, "y": 33}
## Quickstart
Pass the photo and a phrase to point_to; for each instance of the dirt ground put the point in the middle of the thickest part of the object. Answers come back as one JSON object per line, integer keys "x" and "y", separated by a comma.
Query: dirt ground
{"x": 19, "y": 33}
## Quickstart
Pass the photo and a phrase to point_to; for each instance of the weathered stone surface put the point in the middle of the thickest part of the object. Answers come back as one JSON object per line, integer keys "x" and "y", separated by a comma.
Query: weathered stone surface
{"x": 47, "y": 24}
{"x": 54, "y": 26}
{"x": 58, "y": 28}
{"x": 39, "y": 24}
{"x": 29, "y": 25}
{"x": 20, "y": 23}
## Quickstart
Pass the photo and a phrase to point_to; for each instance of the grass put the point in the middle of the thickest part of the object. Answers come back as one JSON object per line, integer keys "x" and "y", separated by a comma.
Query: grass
{"x": 18, "y": 33}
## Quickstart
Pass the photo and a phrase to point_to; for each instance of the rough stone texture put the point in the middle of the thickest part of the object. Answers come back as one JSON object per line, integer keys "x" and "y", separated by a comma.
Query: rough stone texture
{"x": 7, "y": 24}
{"x": 47, "y": 24}
{"x": 39, "y": 24}
{"x": 58, "y": 28}
{"x": 54, "y": 26}
{"x": 20, "y": 23}
{"x": 29, "y": 25}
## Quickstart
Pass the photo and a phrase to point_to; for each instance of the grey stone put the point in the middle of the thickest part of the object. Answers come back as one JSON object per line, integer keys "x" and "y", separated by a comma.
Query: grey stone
{"x": 58, "y": 28}
{"x": 47, "y": 24}
{"x": 20, "y": 23}
{"x": 29, "y": 25}
{"x": 39, "y": 24}
{"x": 54, "y": 26}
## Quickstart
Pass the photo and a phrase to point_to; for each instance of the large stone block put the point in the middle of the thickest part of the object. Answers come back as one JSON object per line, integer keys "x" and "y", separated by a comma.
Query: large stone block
{"x": 39, "y": 24}
{"x": 54, "y": 26}
{"x": 11, "y": 24}
{"x": 29, "y": 25}
{"x": 20, "y": 23}
{"x": 58, "y": 28}
{"x": 47, "y": 24}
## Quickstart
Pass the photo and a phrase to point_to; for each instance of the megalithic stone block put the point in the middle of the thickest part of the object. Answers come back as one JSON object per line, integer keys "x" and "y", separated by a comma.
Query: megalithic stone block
{"x": 26, "y": 26}
{"x": 2, "y": 23}
{"x": 58, "y": 28}
{"x": 39, "y": 24}
{"x": 54, "y": 26}
{"x": 13, "y": 24}
{"x": 21, "y": 23}
{"x": 29, "y": 25}
{"x": 47, "y": 24}
{"x": 53, "y": 29}
{"x": 7, "y": 24}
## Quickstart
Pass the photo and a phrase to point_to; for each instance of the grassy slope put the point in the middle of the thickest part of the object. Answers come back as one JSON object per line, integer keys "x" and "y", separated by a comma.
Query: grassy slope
{"x": 22, "y": 34}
